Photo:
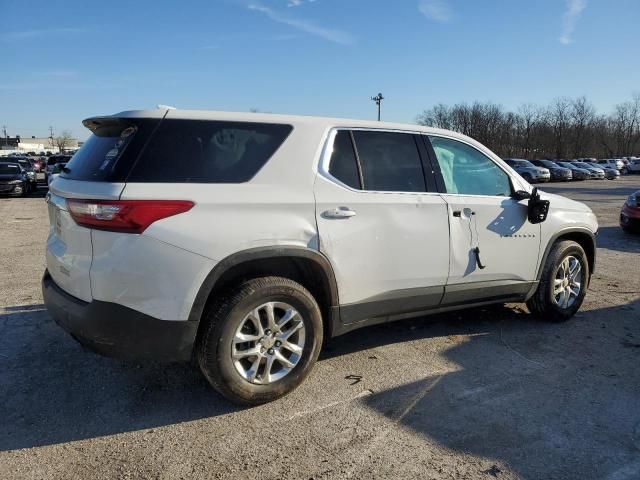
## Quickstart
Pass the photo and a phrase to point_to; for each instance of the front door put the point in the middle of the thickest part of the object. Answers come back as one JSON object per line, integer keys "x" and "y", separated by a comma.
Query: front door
{"x": 386, "y": 236}
{"x": 494, "y": 249}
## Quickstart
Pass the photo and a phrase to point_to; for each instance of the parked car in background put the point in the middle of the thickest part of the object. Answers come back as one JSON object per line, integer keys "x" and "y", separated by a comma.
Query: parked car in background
{"x": 630, "y": 213}
{"x": 36, "y": 164}
{"x": 577, "y": 173}
{"x": 594, "y": 173}
{"x": 52, "y": 161}
{"x": 529, "y": 171}
{"x": 25, "y": 165}
{"x": 55, "y": 172}
{"x": 13, "y": 179}
{"x": 610, "y": 173}
{"x": 558, "y": 173}
{"x": 612, "y": 162}
{"x": 633, "y": 166}
{"x": 373, "y": 229}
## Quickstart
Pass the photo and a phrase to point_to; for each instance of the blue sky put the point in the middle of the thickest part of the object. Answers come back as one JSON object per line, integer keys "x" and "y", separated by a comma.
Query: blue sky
{"x": 65, "y": 61}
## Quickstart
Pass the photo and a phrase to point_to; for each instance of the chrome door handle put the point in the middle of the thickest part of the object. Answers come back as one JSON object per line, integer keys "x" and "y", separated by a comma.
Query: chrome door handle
{"x": 340, "y": 212}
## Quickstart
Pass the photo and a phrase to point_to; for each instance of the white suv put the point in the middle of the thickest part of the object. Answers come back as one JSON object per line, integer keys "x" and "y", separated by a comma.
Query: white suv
{"x": 247, "y": 239}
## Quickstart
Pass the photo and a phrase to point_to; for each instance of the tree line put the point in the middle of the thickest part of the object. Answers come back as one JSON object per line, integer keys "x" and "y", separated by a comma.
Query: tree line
{"x": 565, "y": 129}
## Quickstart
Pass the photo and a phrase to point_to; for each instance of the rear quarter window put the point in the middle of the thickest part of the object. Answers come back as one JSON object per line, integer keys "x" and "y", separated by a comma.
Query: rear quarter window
{"x": 196, "y": 151}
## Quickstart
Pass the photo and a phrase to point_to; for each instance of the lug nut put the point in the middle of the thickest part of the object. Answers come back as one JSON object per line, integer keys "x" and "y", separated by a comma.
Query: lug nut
{"x": 278, "y": 343}
{"x": 267, "y": 332}
{"x": 261, "y": 349}
{"x": 270, "y": 352}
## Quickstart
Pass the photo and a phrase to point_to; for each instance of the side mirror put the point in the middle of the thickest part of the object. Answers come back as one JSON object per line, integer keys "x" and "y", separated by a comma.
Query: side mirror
{"x": 521, "y": 195}
{"x": 537, "y": 208}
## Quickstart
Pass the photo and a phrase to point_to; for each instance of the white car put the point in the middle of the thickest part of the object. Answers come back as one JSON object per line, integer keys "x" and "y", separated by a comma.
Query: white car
{"x": 245, "y": 239}
{"x": 634, "y": 165}
{"x": 611, "y": 162}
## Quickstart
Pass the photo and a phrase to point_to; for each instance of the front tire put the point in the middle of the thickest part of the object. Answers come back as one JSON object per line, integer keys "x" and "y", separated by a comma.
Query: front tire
{"x": 563, "y": 284}
{"x": 260, "y": 340}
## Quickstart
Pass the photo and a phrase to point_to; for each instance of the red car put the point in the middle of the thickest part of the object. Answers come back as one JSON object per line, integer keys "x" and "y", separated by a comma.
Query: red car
{"x": 630, "y": 214}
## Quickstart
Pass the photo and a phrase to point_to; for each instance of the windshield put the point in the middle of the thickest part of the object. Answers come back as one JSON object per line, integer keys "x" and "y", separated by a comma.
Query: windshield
{"x": 9, "y": 169}
{"x": 520, "y": 163}
{"x": 58, "y": 167}
{"x": 548, "y": 163}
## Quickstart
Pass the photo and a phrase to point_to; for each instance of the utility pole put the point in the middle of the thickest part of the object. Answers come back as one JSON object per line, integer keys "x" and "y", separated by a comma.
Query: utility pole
{"x": 4, "y": 134}
{"x": 378, "y": 99}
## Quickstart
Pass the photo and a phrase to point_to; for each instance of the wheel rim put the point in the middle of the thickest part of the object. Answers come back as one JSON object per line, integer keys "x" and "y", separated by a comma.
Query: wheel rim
{"x": 567, "y": 283}
{"x": 269, "y": 342}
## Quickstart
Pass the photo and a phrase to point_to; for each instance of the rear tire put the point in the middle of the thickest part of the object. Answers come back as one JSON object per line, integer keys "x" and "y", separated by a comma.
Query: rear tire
{"x": 225, "y": 361}
{"x": 555, "y": 298}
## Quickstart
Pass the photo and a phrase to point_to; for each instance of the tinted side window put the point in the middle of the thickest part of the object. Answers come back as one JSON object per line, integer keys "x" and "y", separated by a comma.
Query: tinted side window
{"x": 465, "y": 170}
{"x": 343, "y": 164}
{"x": 390, "y": 161}
{"x": 195, "y": 151}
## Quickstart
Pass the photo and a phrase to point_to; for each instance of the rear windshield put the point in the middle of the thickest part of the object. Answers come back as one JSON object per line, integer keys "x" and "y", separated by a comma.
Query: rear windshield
{"x": 196, "y": 151}
{"x": 9, "y": 169}
{"x": 108, "y": 154}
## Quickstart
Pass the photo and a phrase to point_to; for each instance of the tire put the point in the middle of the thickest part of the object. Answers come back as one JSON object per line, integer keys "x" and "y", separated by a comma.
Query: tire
{"x": 217, "y": 341}
{"x": 543, "y": 303}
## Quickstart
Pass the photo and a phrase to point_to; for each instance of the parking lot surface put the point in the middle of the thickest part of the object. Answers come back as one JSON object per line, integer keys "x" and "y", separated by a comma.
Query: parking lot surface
{"x": 478, "y": 394}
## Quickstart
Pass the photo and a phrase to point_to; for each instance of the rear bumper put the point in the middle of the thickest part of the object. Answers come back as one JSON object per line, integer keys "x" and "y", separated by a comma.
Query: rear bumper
{"x": 117, "y": 331}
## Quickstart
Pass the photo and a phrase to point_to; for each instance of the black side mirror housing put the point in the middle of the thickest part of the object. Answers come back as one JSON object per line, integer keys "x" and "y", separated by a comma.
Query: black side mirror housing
{"x": 537, "y": 208}
{"x": 521, "y": 195}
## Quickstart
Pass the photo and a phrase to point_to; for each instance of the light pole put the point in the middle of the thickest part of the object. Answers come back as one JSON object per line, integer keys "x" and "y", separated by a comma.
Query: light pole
{"x": 4, "y": 132}
{"x": 378, "y": 99}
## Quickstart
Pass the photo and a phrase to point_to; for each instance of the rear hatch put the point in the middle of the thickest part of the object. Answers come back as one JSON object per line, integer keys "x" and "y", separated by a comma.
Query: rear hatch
{"x": 96, "y": 172}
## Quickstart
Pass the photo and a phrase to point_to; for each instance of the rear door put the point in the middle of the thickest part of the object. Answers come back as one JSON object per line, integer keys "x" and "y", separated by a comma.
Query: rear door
{"x": 494, "y": 249}
{"x": 96, "y": 171}
{"x": 381, "y": 224}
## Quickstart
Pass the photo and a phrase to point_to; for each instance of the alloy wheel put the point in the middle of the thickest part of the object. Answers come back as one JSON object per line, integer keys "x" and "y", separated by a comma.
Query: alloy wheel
{"x": 268, "y": 343}
{"x": 567, "y": 283}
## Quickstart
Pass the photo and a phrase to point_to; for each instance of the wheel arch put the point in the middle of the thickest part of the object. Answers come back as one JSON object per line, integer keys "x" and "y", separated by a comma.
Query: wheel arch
{"x": 582, "y": 236}
{"x": 306, "y": 266}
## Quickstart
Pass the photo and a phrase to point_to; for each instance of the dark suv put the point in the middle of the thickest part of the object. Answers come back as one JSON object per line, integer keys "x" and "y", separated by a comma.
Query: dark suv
{"x": 13, "y": 179}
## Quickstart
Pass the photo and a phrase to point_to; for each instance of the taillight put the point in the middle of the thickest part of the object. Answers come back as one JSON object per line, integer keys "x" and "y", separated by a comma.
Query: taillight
{"x": 127, "y": 216}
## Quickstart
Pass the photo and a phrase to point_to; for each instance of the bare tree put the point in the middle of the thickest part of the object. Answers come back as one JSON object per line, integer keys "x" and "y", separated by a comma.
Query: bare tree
{"x": 567, "y": 127}
{"x": 63, "y": 141}
{"x": 582, "y": 114}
